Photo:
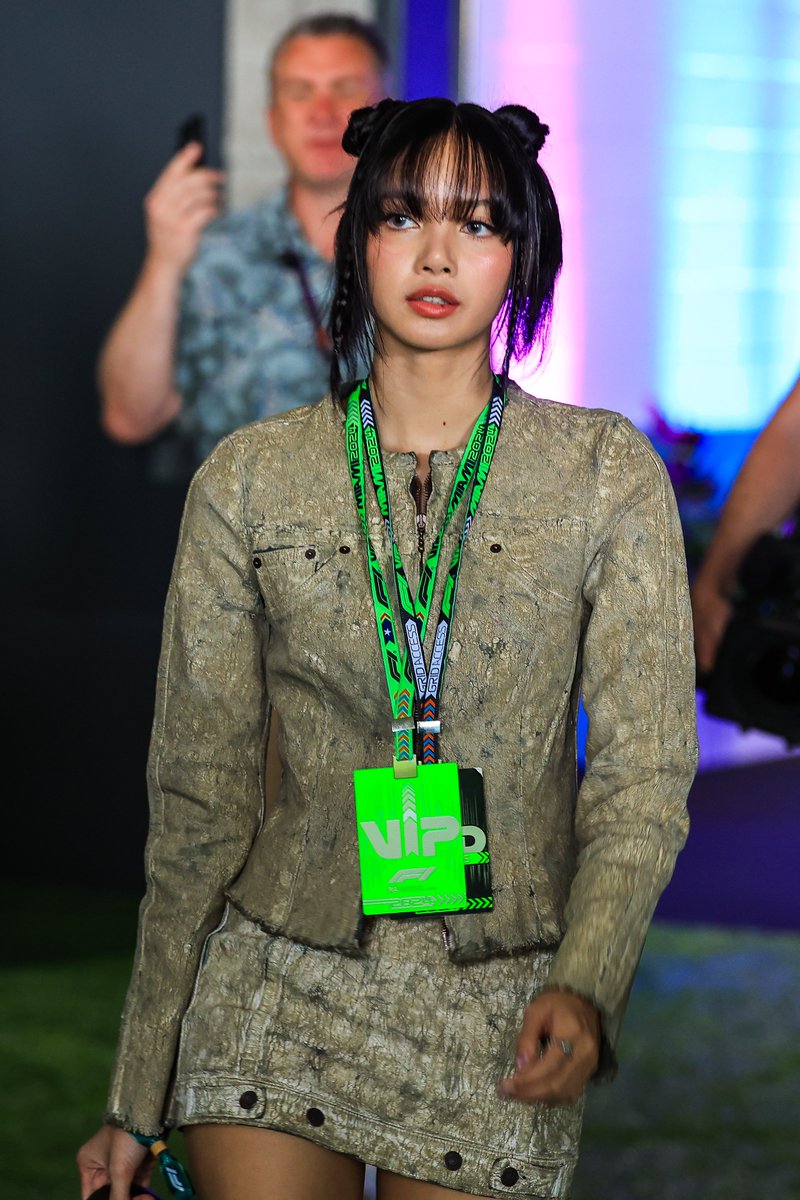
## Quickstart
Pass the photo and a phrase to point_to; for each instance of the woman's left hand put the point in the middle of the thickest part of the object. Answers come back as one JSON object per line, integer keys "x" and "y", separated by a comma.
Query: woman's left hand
{"x": 557, "y": 1050}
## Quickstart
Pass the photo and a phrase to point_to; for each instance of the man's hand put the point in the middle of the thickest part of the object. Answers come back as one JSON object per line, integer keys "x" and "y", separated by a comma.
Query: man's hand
{"x": 178, "y": 207}
{"x": 558, "y": 1050}
{"x": 711, "y": 612}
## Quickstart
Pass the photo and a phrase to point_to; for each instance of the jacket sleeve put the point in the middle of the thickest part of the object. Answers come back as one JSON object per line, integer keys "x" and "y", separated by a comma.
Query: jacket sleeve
{"x": 205, "y": 780}
{"x": 641, "y": 753}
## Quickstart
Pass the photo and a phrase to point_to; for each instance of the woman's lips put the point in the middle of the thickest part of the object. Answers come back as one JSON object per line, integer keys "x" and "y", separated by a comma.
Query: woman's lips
{"x": 432, "y": 302}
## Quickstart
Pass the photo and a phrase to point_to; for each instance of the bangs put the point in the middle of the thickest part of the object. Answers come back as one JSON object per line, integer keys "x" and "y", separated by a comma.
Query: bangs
{"x": 447, "y": 174}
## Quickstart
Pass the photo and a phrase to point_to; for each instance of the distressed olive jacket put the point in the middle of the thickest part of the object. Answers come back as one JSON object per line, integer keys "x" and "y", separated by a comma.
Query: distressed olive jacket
{"x": 573, "y": 582}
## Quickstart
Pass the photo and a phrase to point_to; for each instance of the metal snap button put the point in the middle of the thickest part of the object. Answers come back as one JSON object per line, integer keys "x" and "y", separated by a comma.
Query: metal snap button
{"x": 310, "y": 553}
{"x": 453, "y": 1160}
{"x": 495, "y": 547}
{"x": 248, "y": 1100}
{"x": 256, "y": 563}
{"x": 315, "y": 1117}
{"x": 509, "y": 1177}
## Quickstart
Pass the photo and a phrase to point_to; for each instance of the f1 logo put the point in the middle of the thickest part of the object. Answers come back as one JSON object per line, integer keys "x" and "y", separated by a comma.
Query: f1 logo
{"x": 420, "y": 873}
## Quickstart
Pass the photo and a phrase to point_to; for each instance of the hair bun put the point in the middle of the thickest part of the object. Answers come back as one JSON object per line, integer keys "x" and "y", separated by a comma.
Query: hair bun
{"x": 526, "y": 126}
{"x": 364, "y": 122}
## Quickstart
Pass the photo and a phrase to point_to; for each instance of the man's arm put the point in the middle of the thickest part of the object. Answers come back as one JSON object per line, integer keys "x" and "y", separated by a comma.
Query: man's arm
{"x": 764, "y": 494}
{"x": 135, "y": 367}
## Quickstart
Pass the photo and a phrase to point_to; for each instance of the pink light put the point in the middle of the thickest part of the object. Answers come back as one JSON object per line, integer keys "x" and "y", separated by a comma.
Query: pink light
{"x": 528, "y": 54}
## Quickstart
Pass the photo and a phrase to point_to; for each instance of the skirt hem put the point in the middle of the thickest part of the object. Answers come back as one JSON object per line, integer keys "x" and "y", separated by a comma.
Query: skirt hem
{"x": 454, "y": 1161}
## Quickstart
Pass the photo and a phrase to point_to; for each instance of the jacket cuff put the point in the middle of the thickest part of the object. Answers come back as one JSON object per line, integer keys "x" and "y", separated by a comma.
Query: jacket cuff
{"x": 119, "y": 1121}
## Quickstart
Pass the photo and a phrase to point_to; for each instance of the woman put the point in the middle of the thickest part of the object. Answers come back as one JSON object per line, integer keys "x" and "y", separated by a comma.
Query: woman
{"x": 278, "y": 1013}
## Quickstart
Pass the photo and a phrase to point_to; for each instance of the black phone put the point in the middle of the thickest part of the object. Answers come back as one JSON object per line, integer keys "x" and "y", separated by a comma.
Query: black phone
{"x": 193, "y": 129}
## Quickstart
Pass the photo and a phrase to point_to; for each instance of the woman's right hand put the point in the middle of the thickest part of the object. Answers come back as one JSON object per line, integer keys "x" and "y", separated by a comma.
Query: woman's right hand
{"x": 113, "y": 1156}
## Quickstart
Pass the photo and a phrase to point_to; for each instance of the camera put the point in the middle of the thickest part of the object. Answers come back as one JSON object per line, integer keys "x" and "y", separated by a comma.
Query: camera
{"x": 755, "y": 681}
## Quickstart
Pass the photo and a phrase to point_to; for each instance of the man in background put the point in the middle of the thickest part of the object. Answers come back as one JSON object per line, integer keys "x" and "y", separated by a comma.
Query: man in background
{"x": 227, "y": 320}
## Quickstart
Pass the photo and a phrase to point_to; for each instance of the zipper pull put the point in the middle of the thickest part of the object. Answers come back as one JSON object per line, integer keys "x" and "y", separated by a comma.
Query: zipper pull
{"x": 422, "y": 520}
{"x": 421, "y": 491}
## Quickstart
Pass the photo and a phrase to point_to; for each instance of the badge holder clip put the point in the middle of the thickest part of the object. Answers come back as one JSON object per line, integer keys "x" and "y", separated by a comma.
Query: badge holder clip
{"x": 405, "y": 768}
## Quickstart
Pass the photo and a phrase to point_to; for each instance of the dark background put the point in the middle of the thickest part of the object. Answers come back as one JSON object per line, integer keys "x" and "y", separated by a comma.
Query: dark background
{"x": 93, "y": 94}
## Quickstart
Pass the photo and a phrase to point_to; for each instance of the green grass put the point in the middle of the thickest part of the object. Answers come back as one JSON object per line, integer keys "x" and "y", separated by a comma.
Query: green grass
{"x": 707, "y": 1101}
{"x": 66, "y": 960}
{"x": 705, "y": 1107}
{"x": 58, "y": 1024}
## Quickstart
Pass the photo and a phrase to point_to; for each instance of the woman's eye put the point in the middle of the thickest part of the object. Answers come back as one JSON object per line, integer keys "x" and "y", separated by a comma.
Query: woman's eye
{"x": 479, "y": 228}
{"x": 399, "y": 221}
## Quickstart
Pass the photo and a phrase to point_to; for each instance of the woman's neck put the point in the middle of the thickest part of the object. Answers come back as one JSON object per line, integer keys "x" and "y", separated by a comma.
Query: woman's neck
{"x": 428, "y": 402}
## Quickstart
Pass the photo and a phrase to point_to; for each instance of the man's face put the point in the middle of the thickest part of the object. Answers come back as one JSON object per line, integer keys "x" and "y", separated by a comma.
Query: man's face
{"x": 316, "y": 84}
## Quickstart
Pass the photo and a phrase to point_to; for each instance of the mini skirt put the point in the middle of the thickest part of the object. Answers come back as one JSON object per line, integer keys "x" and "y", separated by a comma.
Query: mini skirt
{"x": 392, "y": 1058}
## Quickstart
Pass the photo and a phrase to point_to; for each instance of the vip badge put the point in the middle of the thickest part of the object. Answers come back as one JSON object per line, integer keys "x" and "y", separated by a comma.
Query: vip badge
{"x": 422, "y": 843}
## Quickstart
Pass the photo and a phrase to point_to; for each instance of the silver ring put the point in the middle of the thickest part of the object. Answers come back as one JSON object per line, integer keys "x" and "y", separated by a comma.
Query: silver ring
{"x": 566, "y": 1047}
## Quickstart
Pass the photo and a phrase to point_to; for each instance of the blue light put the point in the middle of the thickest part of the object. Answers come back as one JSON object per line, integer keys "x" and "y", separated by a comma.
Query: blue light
{"x": 729, "y": 324}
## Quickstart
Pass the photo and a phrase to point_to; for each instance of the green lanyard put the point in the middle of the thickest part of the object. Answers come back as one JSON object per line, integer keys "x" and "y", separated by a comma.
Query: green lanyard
{"x": 407, "y": 672}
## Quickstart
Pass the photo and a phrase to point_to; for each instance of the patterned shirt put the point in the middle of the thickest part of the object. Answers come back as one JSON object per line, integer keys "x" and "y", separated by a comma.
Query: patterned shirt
{"x": 246, "y": 339}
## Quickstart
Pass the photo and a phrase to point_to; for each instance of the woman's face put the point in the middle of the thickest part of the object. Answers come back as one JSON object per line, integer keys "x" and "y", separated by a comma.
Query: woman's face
{"x": 437, "y": 283}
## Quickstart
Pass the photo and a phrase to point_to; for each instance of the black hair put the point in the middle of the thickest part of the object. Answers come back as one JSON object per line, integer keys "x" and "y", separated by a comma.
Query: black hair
{"x": 397, "y": 143}
{"x": 335, "y": 25}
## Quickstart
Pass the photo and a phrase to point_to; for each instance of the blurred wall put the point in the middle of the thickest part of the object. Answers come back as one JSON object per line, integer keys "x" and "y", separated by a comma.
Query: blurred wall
{"x": 675, "y": 157}
{"x": 93, "y": 94}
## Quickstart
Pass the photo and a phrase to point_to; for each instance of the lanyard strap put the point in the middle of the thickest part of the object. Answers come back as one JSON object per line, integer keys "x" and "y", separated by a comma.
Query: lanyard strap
{"x": 174, "y": 1172}
{"x": 292, "y": 260}
{"x": 407, "y": 672}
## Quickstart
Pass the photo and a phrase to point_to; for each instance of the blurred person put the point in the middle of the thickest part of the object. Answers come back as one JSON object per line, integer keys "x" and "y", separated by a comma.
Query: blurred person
{"x": 278, "y": 1013}
{"x": 765, "y": 493}
{"x": 227, "y": 311}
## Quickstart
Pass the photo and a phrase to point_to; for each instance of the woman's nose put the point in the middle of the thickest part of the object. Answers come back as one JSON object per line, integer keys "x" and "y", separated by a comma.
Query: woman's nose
{"x": 436, "y": 254}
